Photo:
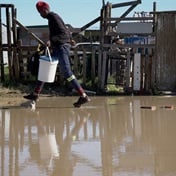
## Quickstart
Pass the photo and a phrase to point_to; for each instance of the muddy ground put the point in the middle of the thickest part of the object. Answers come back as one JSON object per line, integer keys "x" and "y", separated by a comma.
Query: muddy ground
{"x": 10, "y": 96}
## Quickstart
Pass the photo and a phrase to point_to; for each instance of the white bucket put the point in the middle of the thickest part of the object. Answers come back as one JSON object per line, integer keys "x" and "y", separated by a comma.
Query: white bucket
{"x": 47, "y": 70}
{"x": 48, "y": 146}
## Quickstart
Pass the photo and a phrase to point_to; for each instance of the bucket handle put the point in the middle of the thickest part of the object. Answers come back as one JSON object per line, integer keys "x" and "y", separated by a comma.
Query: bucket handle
{"x": 47, "y": 52}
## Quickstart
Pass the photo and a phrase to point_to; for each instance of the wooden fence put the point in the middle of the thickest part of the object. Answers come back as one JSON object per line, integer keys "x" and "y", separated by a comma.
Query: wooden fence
{"x": 137, "y": 71}
{"x": 8, "y": 40}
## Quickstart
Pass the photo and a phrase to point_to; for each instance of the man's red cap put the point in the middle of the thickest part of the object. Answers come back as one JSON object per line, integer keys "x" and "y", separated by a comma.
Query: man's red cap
{"x": 42, "y": 5}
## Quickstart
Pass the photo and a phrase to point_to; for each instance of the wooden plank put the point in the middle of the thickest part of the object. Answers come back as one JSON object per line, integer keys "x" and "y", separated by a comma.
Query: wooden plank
{"x": 1, "y": 51}
{"x": 84, "y": 66}
{"x": 128, "y": 71}
{"x": 126, "y": 4}
{"x": 90, "y": 24}
{"x": 124, "y": 15}
{"x": 131, "y": 46}
{"x": 104, "y": 66}
{"x": 131, "y": 19}
{"x": 93, "y": 65}
{"x": 9, "y": 42}
{"x": 75, "y": 62}
{"x": 99, "y": 67}
{"x": 27, "y": 30}
{"x": 137, "y": 72}
{"x": 16, "y": 64}
{"x": 143, "y": 70}
{"x": 147, "y": 74}
{"x": 6, "y": 5}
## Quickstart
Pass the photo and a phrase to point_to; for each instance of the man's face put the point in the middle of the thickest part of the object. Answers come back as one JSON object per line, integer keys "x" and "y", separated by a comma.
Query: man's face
{"x": 43, "y": 13}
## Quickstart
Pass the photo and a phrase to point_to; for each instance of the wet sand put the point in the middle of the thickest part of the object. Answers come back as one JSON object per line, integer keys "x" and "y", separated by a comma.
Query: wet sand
{"x": 110, "y": 136}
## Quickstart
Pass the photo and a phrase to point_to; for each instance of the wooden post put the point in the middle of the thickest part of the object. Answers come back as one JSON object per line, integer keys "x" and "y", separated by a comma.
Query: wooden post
{"x": 142, "y": 68}
{"x": 20, "y": 59}
{"x": 93, "y": 66}
{"x": 84, "y": 66}
{"x": 99, "y": 68}
{"x": 137, "y": 72}
{"x": 105, "y": 39}
{"x": 1, "y": 51}
{"x": 9, "y": 41}
{"x": 14, "y": 27}
{"x": 16, "y": 64}
{"x": 128, "y": 71}
{"x": 75, "y": 62}
{"x": 104, "y": 66}
{"x": 154, "y": 58}
{"x": 148, "y": 70}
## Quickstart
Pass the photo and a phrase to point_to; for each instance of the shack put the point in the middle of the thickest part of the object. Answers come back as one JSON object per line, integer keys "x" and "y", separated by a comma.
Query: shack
{"x": 164, "y": 65}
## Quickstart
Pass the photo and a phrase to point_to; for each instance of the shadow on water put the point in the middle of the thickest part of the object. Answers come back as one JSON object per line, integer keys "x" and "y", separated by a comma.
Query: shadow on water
{"x": 109, "y": 136}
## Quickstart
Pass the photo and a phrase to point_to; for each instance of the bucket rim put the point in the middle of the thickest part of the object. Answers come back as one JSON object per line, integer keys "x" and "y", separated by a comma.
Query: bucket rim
{"x": 48, "y": 61}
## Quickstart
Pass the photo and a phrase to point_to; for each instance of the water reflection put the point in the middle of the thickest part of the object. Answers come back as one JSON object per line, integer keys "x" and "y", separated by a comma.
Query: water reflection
{"x": 111, "y": 136}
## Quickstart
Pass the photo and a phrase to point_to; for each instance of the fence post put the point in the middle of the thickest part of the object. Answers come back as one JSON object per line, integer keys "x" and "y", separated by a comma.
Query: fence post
{"x": 104, "y": 70}
{"x": 84, "y": 66}
{"x": 93, "y": 66}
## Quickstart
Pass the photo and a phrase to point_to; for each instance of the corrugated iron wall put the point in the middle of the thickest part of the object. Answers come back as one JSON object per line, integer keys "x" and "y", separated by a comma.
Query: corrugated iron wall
{"x": 166, "y": 51}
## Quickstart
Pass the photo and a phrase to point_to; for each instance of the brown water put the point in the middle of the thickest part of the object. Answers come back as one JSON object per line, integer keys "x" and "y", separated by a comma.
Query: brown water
{"x": 110, "y": 136}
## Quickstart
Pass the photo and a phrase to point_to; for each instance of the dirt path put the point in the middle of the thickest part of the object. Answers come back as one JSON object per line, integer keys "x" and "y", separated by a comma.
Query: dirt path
{"x": 10, "y": 97}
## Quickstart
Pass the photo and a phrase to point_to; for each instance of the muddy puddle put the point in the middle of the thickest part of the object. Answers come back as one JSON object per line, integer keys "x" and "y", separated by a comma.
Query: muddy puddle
{"x": 110, "y": 136}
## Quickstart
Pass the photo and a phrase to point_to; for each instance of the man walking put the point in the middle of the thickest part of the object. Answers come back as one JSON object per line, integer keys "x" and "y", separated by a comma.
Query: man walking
{"x": 59, "y": 39}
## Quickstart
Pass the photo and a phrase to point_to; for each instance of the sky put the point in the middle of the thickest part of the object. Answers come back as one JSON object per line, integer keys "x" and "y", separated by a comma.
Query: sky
{"x": 80, "y": 12}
